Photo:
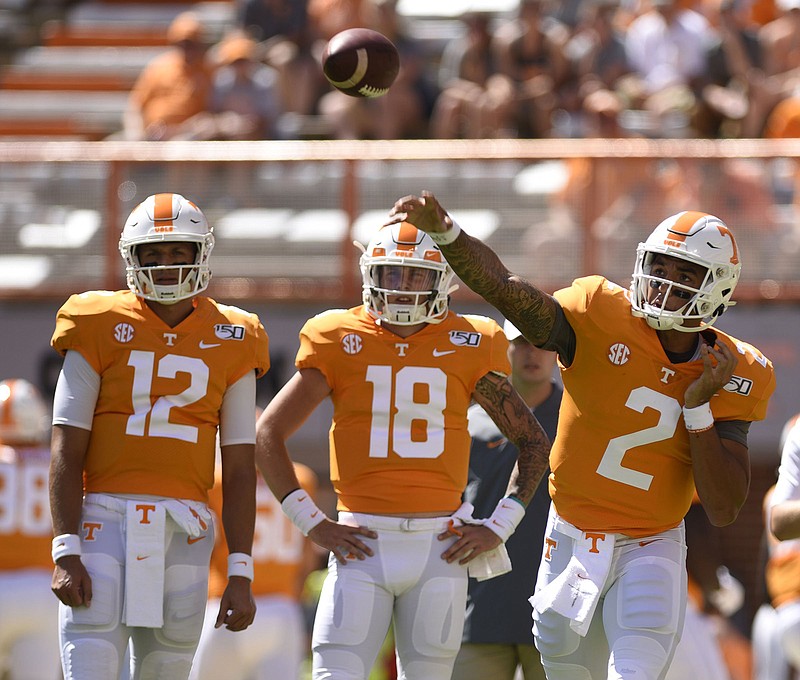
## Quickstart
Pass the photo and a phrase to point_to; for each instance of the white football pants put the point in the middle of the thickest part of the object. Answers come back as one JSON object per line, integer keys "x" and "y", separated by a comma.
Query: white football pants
{"x": 406, "y": 582}
{"x": 638, "y": 619}
{"x": 94, "y": 639}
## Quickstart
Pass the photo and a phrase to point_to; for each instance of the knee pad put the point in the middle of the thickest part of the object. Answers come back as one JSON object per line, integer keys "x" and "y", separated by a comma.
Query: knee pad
{"x": 344, "y": 613}
{"x": 185, "y": 595}
{"x": 439, "y": 620}
{"x": 89, "y": 659}
{"x": 650, "y": 596}
{"x": 162, "y": 665}
{"x": 637, "y": 656}
{"x": 553, "y": 635}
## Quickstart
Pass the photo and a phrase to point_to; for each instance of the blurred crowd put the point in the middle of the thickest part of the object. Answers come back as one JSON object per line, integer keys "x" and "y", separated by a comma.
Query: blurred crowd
{"x": 575, "y": 68}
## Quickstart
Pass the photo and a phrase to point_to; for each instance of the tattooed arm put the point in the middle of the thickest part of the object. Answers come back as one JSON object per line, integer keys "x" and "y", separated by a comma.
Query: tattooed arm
{"x": 514, "y": 418}
{"x": 530, "y": 309}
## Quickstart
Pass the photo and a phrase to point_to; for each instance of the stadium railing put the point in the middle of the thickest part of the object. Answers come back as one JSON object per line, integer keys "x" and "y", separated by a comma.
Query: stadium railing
{"x": 286, "y": 212}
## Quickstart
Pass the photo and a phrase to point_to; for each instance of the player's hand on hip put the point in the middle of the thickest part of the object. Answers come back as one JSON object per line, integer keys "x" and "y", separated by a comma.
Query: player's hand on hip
{"x": 71, "y": 582}
{"x": 342, "y": 540}
{"x": 719, "y": 363}
{"x": 473, "y": 540}
{"x": 237, "y": 609}
{"x": 424, "y": 212}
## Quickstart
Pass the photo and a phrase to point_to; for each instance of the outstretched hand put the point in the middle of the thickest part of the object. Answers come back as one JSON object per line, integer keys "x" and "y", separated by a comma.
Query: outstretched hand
{"x": 424, "y": 212}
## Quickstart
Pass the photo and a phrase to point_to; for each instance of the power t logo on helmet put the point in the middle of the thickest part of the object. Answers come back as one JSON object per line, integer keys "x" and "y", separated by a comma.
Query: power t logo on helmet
{"x": 406, "y": 278}
{"x": 699, "y": 239}
{"x": 166, "y": 218}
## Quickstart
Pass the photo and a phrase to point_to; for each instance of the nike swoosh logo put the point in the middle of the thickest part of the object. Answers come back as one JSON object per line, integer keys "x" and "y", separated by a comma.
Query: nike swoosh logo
{"x": 314, "y": 514}
{"x": 139, "y": 558}
{"x": 442, "y": 352}
{"x": 495, "y": 443}
{"x": 209, "y": 345}
{"x": 244, "y": 563}
{"x": 191, "y": 540}
{"x": 644, "y": 543}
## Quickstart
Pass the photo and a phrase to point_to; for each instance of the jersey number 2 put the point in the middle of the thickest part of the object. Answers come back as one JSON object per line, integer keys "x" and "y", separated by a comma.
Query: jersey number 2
{"x": 640, "y": 399}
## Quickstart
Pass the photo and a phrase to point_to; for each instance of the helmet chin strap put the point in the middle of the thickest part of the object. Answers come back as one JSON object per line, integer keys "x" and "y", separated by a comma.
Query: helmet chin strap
{"x": 669, "y": 324}
{"x": 403, "y": 313}
{"x": 659, "y": 324}
{"x": 167, "y": 301}
{"x": 168, "y": 294}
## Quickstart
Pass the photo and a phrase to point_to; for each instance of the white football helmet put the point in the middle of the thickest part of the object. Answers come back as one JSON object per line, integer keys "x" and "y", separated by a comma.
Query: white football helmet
{"x": 699, "y": 238}
{"x": 23, "y": 414}
{"x": 164, "y": 218}
{"x": 403, "y": 262}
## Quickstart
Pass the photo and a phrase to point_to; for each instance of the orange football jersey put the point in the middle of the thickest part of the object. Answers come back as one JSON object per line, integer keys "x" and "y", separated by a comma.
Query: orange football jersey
{"x": 399, "y": 441}
{"x": 620, "y": 462}
{"x": 156, "y": 418}
{"x": 25, "y": 527}
{"x": 277, "y": 543}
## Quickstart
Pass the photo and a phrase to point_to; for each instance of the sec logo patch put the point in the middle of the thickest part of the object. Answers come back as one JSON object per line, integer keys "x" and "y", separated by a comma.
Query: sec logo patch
{"x": 352, "y": 343}
{"x": 123, "y": 332}
{"x": 619, "y": 353}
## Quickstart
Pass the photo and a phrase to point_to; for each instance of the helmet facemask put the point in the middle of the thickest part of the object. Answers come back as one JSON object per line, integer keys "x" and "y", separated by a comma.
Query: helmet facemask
{"x": 166, "y": 218}
{"x": 406, "y": 280}
{"x": 192, "y": 277}
{"x": 699, "y": 239}
{"x": 389, "y": 285}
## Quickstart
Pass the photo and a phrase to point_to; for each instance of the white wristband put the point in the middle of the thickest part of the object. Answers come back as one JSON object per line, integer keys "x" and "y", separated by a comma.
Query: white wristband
{"x": 699, "y": 418}
{"x": 66, "y": 544}
{"x": 506, "y": 517}
{"x": 442, "y": 238}
{"x": 303, "y": 511}
{"x": 240, "y": 564}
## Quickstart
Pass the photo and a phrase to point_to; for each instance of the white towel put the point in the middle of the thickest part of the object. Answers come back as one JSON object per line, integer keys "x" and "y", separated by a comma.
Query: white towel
{"x": 574, "y": 593}
{"x": 145, "y": 547}
{"x": 491, "y": 563}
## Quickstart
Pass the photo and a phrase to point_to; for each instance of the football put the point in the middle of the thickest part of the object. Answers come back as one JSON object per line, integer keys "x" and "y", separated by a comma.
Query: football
{"x": 361, "y": 62}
